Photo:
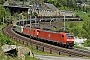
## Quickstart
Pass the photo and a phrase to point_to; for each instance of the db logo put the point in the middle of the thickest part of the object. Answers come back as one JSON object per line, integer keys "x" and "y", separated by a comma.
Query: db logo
{"x": 49, "y": 35}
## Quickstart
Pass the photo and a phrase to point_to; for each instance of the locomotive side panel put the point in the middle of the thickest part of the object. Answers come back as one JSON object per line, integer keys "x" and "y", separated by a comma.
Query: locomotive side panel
{"x": 48, "y": 35}
{"x": 41, "y": 35}
{"x": 56, "y": 37}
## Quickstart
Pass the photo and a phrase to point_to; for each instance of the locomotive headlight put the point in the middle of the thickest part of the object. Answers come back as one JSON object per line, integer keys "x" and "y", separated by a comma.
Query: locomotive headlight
{"x": 70, "y": 39}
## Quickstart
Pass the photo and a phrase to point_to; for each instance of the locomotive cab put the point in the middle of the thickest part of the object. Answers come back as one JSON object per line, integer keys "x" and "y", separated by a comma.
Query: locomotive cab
{"x": 67, "y": 39}
{"x": 36, "y": 32}
{"x": 70, "y": 39}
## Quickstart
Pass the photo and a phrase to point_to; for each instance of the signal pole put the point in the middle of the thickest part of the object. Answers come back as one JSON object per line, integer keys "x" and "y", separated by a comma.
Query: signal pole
{"x": 35, "y": 20}
{"x": 3, "y": 20}
{"x": 30, "y": 12}
{"x": 64, "y": 22}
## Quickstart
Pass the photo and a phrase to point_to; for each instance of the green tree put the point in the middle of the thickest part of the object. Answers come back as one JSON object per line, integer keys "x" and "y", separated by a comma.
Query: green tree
{"x": 64, "y": 2}
{"x": 87, "y": 42}
{"x": 4, "y": 13}
{"x": 42, "y": 1}
{"x": 86, "y": 27}
{"x": 72, "y": 25}
{"x": 2, "y": 1}
{"x": 77, "y": 31}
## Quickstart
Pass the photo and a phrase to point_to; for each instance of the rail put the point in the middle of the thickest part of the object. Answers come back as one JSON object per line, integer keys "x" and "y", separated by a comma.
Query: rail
{"x": 43, "y": 46}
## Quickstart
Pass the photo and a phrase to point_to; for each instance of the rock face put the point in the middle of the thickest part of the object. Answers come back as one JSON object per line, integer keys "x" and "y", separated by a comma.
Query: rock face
{"x": 24, "y": 50}
{"x": 10, "y": 50}
{"x": 56, "y": 24}
{"x": 7, "y": 48}
{"x": 19, "y": 51}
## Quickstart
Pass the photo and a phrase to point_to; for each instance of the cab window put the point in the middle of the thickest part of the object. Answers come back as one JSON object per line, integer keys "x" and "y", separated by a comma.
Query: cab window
{"x": 38, "y": 31}
{"x": 70, "y": 36}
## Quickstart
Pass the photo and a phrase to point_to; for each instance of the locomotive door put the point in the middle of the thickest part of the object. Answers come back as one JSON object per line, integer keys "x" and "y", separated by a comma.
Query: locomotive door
{"x": 62, "y": 38}
{"x": 35, "y": 32}
{"x": 38, "y": 32}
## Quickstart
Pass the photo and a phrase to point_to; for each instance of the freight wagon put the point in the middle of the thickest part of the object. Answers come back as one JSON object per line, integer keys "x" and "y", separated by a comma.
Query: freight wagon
{"x": 19, "y": 29}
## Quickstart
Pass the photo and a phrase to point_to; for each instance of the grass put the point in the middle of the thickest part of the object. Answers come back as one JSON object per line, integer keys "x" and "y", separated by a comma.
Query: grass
{"x": 82, "y": 15}
{"x": 77, "y": 23}
{"x": 3, "y": 56}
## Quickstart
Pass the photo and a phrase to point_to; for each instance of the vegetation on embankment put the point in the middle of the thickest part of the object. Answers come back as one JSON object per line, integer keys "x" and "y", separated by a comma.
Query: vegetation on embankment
{"x": 5, "y": 39}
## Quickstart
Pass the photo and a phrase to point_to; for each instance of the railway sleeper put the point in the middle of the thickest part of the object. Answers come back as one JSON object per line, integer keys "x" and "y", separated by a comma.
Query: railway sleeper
{"x": 55, "y": 52}
{"x": 52, "y": 49}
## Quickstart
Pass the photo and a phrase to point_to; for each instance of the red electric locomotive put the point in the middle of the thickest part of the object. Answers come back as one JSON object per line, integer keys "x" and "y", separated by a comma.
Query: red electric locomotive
{"x": 61, "y": 38}
{"x": 33, "y": 32}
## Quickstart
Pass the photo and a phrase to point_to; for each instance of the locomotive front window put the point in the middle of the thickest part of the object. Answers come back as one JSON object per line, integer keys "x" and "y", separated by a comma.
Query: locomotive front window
{"x": 62, "y": 35}
{"x": 38, "y": 31}
{"x": 70, "y": 36}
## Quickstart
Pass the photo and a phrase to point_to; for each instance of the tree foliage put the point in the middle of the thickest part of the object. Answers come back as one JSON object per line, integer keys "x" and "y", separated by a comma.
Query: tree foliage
{"x": 72, "y": 25}
{"x": 4, "y": 39}
{"x": 2, "y": 1}
{"x": 86, "y": 27}
{"x": 70, "y": 4}
{"x": 4, "y": 13}
{"x": 76, "y": 30}
{"x": 87, "y": 42}
{"x": 64, "y": 3}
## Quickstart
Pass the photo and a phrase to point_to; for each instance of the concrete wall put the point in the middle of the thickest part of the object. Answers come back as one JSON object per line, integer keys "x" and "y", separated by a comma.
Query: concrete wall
{"x": 47, "y": 13}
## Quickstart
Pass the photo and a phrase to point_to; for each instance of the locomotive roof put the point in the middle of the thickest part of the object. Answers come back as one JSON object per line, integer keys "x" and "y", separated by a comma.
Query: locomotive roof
{"x": 49, "y": 30}
{"x": 69, "y": 34}
{"x": 46, "y": 29}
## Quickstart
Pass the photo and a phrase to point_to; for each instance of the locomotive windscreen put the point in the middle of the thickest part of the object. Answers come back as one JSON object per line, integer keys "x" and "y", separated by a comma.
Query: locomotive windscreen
{"x": 69, "y": 35}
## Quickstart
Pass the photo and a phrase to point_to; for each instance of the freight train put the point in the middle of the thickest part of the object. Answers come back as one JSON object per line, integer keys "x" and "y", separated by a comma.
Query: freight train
{"x": 60, "y": 38}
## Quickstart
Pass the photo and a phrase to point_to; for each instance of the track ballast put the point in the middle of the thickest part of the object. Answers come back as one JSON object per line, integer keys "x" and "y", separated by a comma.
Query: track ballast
{"x": 44, "y": 46}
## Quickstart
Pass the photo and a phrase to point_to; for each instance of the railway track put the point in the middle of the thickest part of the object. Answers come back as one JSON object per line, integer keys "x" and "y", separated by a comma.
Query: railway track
{"x": 44, "y": 46}
{"x": 81, "y": 50}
